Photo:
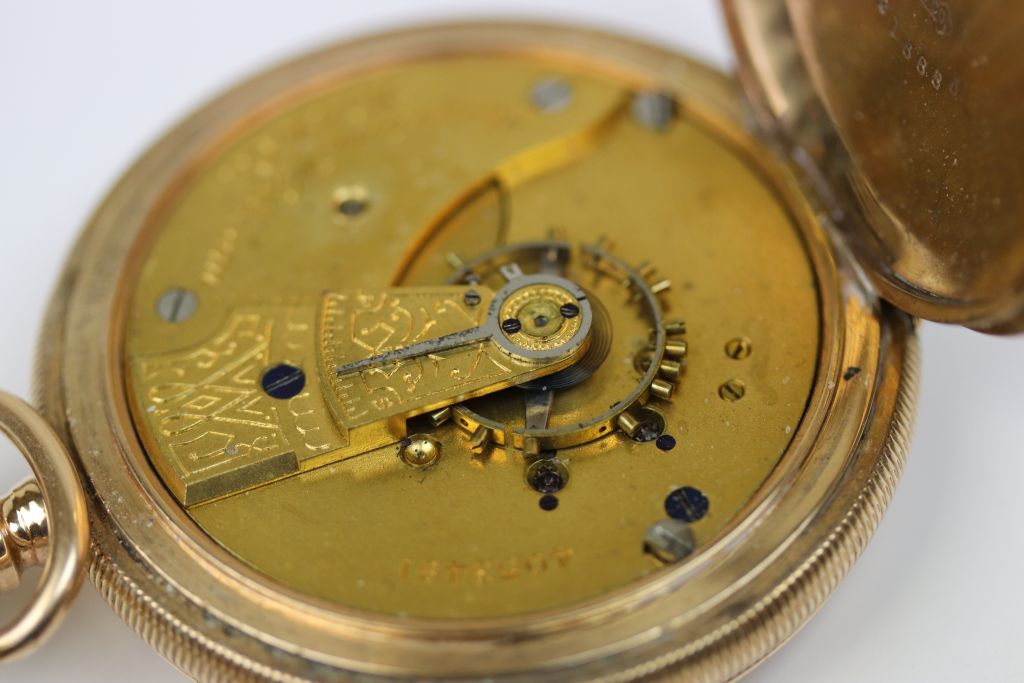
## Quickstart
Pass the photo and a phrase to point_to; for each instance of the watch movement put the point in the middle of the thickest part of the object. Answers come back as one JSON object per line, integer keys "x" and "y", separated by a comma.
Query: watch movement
{"x": 511, "y": 351}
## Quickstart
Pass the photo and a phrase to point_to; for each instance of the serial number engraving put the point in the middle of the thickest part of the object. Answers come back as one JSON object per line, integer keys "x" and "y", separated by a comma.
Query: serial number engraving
{"x": 219, "y": 256}
{"x": 481, "y": 572}
{"x": 942, "y": 20}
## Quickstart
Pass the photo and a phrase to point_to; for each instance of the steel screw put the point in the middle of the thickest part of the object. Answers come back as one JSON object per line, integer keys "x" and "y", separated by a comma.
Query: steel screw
{"x": 687, "y": 503}
{"x": 547, "y": 476}
{"x": 655, "y": 110}
{"x": 732, "y": 390}
{"x": 177, "y": 305}
{"x": 551, "y": 95}
{"x": 511, "y": 326}
{"x": 738, "y": 348}
{"x": 670, "y": 540}
{"x": 283, "y": 381}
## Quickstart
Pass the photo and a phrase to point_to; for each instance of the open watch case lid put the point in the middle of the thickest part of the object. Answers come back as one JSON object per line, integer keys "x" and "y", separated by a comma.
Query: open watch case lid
{"x": 908, "y": 114}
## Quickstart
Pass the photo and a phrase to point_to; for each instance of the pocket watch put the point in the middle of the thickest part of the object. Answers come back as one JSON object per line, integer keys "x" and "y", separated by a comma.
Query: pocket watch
{"x": 516, "y": 351}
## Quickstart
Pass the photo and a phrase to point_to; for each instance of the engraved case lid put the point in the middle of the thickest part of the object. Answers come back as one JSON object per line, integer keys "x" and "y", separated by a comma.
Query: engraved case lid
{"x": 911, "y": 114}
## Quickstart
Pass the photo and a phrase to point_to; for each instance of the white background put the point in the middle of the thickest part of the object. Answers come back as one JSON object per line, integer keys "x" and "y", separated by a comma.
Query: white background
{"x": 85, "y": 87}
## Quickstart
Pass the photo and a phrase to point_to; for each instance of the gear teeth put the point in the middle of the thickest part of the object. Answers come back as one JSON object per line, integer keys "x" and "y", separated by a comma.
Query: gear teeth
{"x": 439, "y": 417}
{"x": 670, "y": 369}
{"x": 481, "y": 439}
{"x": 662, "y": 389}
{"x": 675, "y": 327}
{"x": 628, "y": 424}
{"x": 676, "y": 348}
{"x": 661, "y": 286}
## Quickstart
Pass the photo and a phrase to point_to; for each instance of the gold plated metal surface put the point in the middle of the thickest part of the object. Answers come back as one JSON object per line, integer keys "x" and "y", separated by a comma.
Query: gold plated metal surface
{"x": 44, "y": 524}
{"x": 902, "y": 108}
{"x": 24, "y": 534}
{"x": 543, "y": 531}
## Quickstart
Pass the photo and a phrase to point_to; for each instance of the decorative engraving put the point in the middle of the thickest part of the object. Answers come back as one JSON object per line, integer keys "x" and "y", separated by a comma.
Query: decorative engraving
{"x": 361, "y": 324}
{"x": 219, "y": 256}
{"x": 217, "y": 432}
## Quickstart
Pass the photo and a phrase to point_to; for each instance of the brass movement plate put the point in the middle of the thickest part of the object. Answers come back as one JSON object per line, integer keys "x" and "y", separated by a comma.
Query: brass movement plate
{"x": 257, "y": 236}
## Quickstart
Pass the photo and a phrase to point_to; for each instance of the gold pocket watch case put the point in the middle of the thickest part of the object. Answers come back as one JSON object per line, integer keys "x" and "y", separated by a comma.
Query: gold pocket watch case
{"x": 518, "y": 351}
